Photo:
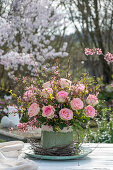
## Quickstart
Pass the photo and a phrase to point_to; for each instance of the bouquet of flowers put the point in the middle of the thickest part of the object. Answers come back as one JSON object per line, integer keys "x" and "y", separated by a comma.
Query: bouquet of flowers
{"x": 60, "y": 103}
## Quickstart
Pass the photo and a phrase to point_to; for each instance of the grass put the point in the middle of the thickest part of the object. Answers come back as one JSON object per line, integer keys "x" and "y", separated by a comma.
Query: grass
{"x": 2, "y": 141}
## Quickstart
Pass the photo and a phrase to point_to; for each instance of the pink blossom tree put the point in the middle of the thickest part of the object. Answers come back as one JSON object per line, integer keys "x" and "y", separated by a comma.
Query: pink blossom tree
{"x": 27, "y": 30}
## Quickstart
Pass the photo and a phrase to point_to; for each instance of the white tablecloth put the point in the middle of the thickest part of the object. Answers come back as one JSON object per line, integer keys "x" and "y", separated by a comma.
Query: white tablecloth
{"x": 11, "y": 157}
{"x": 101, "y": 158}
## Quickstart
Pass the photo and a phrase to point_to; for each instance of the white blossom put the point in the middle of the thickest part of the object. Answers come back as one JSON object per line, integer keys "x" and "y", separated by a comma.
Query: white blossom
{"x": 28, "y": 30}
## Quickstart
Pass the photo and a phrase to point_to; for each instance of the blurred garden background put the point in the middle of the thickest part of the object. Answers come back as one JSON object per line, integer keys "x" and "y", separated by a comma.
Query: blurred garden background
{"x": 38, "y": 35}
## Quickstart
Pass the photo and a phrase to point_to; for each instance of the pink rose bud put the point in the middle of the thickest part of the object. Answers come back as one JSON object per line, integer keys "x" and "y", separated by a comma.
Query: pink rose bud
{"x": 46, "y": 92}
{"x": 29, "y": 95}
{"x": 65, "y": 83}
{"x": 66, "y": 114}
{"x": 77, "y": 104}
{"x": 61, "y": 96}
{"x": 79, "y": 87}
{"x": 48, "y": 84}
{"x": 92, "y": 99}
{"x": 48, "y": 111}
{"x": 90, "y": 111}
{"x": 33, "y": 110}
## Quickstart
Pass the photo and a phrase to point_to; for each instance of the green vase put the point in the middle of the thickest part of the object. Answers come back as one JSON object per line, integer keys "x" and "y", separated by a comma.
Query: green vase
{"x": 50, "y": 138}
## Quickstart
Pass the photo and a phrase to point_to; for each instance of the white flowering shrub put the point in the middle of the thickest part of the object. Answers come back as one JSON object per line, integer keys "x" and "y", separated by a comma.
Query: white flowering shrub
{"x": 27, "y": 30}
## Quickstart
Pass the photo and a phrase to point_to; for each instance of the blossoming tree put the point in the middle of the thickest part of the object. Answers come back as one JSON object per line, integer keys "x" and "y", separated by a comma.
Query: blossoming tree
{"x": 27, "y": 30}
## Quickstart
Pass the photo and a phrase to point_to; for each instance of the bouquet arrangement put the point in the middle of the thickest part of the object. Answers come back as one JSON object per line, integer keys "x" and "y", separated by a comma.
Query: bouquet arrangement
{"x": 58, "y": 106}
{"x": 59, "y": 102}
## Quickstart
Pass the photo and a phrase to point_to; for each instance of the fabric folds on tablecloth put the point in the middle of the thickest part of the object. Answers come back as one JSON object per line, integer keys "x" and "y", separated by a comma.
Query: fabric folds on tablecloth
{"x": 10, "y": 158}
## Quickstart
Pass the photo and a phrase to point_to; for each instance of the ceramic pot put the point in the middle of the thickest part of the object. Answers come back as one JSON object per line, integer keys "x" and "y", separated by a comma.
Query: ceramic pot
{"x": 50, "y": 138}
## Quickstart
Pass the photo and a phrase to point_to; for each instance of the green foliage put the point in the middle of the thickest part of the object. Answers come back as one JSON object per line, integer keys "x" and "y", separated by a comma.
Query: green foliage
{"x": 104, "y": 95}
{"x": 2, "y": 140}
{"x": 104, "y": 131}
{"x": 24, "y": 118}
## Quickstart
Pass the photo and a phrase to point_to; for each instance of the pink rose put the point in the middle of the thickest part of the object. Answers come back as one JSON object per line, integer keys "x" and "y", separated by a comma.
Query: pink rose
{"x": 48, "y": 84}
{"x": 79, "y": 88}
{"x": 33, "y": 110}
{"x": 90, "y": 111}
{"x": 66, "y": 114}
{"x": 65, "y": 83}
{"x": 61, "y": 96}
{"x": 48, "y": 111}
{"x": 77, "y": 104}
{"x": 29, "y": 95}
{"x": 46, "y": 92}
{"x": 92, "y": 99}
